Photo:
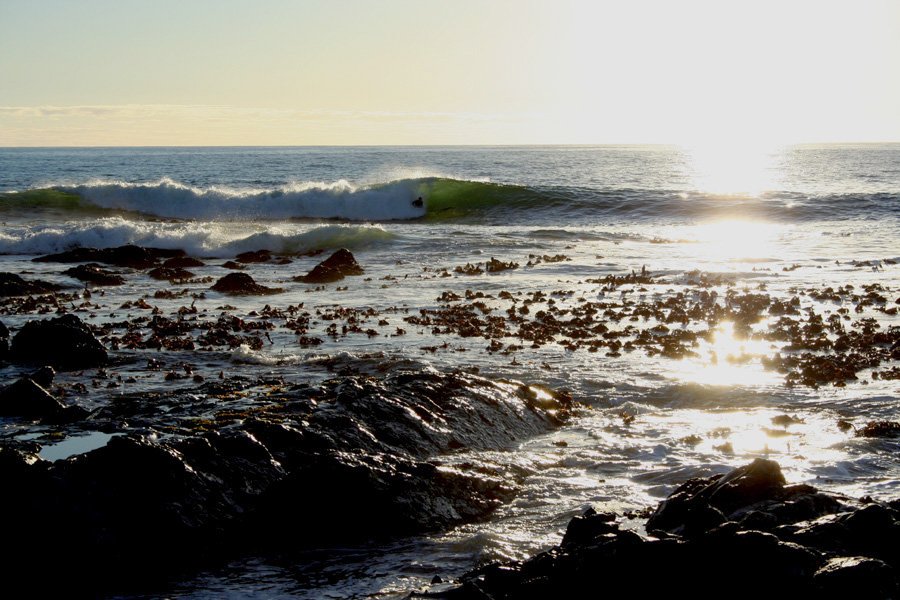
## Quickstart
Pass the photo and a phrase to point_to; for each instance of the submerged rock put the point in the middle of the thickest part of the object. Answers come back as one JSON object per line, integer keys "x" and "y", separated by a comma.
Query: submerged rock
{"x": 352, "y": 459}
{"x": 183, "y": 262}
{"x": 93, "y": 273}
{"x": 241, "y": 284}
{"x": 64, "y": 342}
{"x": 334, "y": 268}
{"x": 13, "y": 285}
{"x": 259, "y": 256}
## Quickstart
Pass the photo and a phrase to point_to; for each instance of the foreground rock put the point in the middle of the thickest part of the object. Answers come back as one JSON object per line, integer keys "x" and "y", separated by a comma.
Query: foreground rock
{"x": 745, "y": 534}
{"x": 64, "y": 342}
{"x": 334, "y": 268}
{"x": 13, "y": 285}
{"x": 241, "y": 284}
{"x": 355, "y": 458}
{"x": 29, "y": 399}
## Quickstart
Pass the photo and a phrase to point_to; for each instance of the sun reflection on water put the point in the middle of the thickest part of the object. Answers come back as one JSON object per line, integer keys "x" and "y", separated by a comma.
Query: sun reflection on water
{"x": 729, "y": 359}
{"x": 735, "y": 239}
{"x": 733, "y": 169}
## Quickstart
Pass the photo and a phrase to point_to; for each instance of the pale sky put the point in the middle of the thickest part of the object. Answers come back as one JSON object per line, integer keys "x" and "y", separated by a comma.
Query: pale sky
{"x": 311, "y": 72}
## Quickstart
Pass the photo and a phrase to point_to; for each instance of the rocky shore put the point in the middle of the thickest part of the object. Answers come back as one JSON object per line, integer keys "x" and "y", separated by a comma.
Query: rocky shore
{"x": 223, "y": 466}
{"x": 746, "y": 534}
{"x": 182, "y": 481}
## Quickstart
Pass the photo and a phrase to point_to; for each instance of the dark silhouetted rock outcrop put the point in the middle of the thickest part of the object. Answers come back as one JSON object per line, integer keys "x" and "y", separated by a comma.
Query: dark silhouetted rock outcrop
{"x": 93, "y": 273}
{"x": 13, "y": 285}
{"x": 334, "y": 268}
{"x": 706, "y": 544}
{"x": 241, "y": 284}
{"x": 354, "y": 458}
{"x": 134, "y": 257}
{"x": 64, "y": 342}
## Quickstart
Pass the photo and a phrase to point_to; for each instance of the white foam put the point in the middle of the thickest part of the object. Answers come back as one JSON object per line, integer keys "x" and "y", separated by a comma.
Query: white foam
{"x": 196, "y": 238}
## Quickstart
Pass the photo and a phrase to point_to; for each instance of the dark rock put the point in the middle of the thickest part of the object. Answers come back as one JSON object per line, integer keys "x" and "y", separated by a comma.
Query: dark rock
{"x": 170, "y": 273}
{"x": 134, "y": 257}
{"x": 259, "y": 256}
{"x": 4, "y": 342}
{"x": 855, "y": 577}
{"x": 183, "y": 262}
{"x": 43, "y": 376}
{"x": 13, "y": 285}
{"x": 25, "y": 398}
{"x": 230, "y": 264}
{"x": 706, "y": 561}
{"x": 288, "y": 473}
{"x": 590, "y": 525}
{"x": 64, "y": 342}
{"x": 879, "y": 429}
{"x": 93, "y": 273}
{"x": 241, "y": 284}
{"x": 334, "y": 268}
{"x": 742, "y": 487}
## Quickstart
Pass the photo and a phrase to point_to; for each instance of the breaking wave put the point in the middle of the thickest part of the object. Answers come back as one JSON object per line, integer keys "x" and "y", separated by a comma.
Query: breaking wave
{"x": 444, "y": 199}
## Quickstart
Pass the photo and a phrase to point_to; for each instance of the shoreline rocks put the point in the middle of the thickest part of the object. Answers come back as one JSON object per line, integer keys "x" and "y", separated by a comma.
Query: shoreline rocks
{"x": 13, "y": 285}
{"x": 744, "y": 534}
{"x": 355, "y": 458}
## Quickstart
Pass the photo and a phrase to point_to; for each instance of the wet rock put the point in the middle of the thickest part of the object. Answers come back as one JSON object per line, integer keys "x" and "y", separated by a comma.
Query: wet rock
{"x": 64, "y": 342}
{"x": 874, "y": 429}
{"x": 855, "y": 577}
{"x": 241, "y": 284}
{"x": 4, "y": 342}
{"x": 183, "y": 262}
{"x": 259, "y": 256}
{"x": 284, "y": 472}
{"x": 134, "y": 257}
{"x": 760, "y": 480}
{"x": 170, "y": 273}
{"x": 93, "y": 273}
{"x": 25, "y": 398}
{"x": 334, "y": 268}
{"x": 13, "y": 285}
{"x": 848, "y": 554}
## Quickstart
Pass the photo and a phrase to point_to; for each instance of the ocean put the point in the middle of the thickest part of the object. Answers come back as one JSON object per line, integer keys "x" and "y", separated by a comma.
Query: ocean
{"x": 663, "y": 247}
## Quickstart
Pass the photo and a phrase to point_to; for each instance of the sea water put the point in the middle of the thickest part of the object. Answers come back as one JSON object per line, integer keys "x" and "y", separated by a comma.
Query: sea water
{"x": 778, "y": 221}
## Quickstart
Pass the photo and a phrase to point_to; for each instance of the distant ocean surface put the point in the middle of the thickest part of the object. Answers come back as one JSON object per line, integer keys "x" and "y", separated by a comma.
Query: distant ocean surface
{"x": 779, "y": 221}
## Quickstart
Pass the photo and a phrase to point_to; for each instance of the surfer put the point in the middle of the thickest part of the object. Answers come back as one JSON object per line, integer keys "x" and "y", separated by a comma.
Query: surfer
{"x": 418, "y": 202}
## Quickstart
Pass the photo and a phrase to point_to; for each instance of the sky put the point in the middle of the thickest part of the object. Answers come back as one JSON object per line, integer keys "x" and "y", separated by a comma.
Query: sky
{"x": 354, "y": 72}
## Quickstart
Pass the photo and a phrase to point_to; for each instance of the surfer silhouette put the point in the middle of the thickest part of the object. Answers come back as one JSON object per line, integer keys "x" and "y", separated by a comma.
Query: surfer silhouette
{"x": 418, "y": 202}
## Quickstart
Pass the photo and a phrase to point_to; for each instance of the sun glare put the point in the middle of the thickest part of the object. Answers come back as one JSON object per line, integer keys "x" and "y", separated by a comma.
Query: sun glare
{"x": 735, "y": 240}
{"x": 743, "y": 169}
{"x": 729, "y": 359}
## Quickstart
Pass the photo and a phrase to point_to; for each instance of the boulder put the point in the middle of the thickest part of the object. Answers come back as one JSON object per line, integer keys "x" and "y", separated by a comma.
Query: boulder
{"x": 64, "y": 342}
{"x": 855, "y": 577}
{"x": 170, "y": 273}
{"x": 241, "y": 284}
{"x": 183, "y": 262}
{"x": 134, "y": 257}
{"x": 29, "y": 399}
{"x": 93, "y": 273}
{"x": 259, "y": 256}
{"x": 334, "y": 268}
{"x": 13, "y": 285}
